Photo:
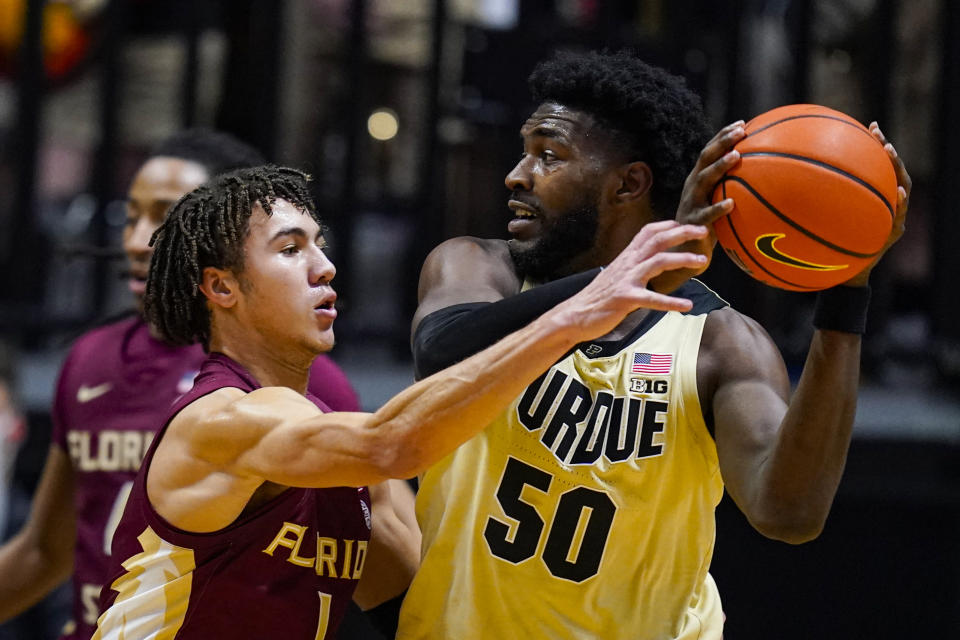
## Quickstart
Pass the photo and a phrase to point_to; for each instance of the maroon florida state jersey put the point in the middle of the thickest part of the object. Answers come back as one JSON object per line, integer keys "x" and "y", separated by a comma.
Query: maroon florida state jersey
{"x": 286, "y": 570}
{"x": 115, "y": 390}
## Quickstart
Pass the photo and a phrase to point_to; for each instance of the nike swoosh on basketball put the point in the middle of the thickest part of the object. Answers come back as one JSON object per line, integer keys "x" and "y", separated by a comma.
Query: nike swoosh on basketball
{"x": 86, "y": 394}
{"x": 765, "y": 245}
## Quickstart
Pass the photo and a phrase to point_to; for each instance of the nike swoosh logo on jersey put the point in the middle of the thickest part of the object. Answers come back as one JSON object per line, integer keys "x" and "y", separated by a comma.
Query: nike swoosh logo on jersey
{"x": 86, "y": 394}
{"x": 765, "y": 245}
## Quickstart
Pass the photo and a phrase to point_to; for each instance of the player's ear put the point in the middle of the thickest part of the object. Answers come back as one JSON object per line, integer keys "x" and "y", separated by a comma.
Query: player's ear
{"x": 220, "y": 286}
{"x": 635, "y": 181}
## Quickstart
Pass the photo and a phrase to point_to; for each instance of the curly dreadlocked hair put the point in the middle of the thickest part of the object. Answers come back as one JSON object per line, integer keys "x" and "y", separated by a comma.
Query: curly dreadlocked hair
{"x": 207, "y": 228}
{"x": 650, "y": 112}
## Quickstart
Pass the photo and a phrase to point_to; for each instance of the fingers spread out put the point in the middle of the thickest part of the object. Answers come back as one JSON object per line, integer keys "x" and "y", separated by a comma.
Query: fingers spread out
{"x": 717, "y": 158}
{"x": 658, "y": 236}
{"x": 904, "y": 182}
{"x": 665, "y": 261}
{"x": 710, "y": 214}
{"x": 663, "y": 302}
{"x": 721, "y": 144}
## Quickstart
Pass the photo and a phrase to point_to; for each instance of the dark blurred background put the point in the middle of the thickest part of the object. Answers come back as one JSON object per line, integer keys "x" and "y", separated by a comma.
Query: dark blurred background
{"x": 407, "y": 114}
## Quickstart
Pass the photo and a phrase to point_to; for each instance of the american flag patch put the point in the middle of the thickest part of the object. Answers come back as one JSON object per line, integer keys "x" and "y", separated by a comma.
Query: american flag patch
{"x": 652, "y": 363}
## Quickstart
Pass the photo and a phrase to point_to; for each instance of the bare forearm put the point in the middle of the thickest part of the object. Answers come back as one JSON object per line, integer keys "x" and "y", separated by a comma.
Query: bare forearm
{"x": 806, "y": 464}
{"x": 433, "y": 417}
{"x": 29, "y": 573}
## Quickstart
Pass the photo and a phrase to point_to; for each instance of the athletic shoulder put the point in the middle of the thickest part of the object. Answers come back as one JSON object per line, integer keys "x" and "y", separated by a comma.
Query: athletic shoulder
{"x": 232, "y": 405}
{"x": 467, "y": 259}
{"x": 493, "y": 247}
{"x": 734, "y": 347}
{"x": 466, "y": 270}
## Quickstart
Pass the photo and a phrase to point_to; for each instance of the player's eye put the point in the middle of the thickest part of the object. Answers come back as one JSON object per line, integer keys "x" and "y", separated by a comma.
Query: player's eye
{"x": 290, "y": 249}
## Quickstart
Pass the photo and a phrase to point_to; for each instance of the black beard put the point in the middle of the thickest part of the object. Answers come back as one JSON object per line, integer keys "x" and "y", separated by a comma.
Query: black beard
{"x": 564, "y": 239}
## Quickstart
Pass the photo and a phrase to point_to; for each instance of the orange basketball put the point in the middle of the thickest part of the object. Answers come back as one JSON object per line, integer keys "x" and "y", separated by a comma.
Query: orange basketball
{"x": 814, "y": 198}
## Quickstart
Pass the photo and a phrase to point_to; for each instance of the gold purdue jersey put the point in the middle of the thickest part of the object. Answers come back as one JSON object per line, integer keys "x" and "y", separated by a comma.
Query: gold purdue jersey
{"x": 586, "y": 510}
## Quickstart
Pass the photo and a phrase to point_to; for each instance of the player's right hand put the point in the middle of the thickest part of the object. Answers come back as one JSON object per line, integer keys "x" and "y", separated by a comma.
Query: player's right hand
{"x": 696, "y": 206}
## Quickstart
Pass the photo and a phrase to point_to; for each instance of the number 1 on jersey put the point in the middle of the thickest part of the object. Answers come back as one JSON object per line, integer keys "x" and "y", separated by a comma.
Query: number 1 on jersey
{"x": 578, "y": 532}
{"x": 323, "y": 620}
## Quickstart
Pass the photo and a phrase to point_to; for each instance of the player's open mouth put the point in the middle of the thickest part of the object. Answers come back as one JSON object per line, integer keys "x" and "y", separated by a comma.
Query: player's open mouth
{"x": 525, "y": 220}
{"x": 327, "y": 307}
{"x": 521, "y": 209}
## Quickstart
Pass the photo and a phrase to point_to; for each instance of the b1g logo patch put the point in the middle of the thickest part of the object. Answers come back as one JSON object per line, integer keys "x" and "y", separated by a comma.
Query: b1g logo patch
{"x": 649, "y": 386}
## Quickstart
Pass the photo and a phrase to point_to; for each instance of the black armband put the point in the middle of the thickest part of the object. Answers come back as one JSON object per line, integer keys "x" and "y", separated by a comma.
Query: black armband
{"x": 454, "y": 333}
{"x": 842, "y": 309}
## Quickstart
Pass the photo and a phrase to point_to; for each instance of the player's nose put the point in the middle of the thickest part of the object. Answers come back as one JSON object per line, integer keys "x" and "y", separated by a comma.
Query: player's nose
{"x": 322, "y": 269}
{"x": 519, "y": 178}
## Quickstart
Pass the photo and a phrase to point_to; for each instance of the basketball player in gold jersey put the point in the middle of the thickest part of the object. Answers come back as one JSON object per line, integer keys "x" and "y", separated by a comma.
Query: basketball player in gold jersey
{"x": 586, "y": 509}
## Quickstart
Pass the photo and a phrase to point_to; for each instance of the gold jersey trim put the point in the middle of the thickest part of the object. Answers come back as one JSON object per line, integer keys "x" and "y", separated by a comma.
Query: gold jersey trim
{"x": 153, "y": 594}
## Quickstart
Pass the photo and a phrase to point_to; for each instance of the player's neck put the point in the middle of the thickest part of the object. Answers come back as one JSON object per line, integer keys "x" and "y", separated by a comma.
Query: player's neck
{"x": 270, "y": 366}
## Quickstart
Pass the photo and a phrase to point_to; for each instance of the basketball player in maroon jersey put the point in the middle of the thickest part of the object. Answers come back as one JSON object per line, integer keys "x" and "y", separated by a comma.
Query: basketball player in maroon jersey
{"x": 249, "y": 517}
{"x": 115, "y": 385}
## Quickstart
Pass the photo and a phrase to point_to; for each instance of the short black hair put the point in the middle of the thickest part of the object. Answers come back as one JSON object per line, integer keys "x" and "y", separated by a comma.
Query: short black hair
{"x": 207, "y": 228}
{"x": 655, "y": 117}
{"x": 216, "y": 151}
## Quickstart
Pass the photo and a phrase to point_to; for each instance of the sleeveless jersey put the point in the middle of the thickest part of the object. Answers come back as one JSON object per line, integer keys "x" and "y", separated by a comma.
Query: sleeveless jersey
{"x": 114, "y": 391}
{"x": 285, "y": 570}
{"x": 586, "y": 509}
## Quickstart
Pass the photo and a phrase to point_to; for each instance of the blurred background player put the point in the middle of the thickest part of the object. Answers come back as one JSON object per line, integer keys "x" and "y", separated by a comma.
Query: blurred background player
{"x": 591, "y": 498}
{"x": 115, "y": 382}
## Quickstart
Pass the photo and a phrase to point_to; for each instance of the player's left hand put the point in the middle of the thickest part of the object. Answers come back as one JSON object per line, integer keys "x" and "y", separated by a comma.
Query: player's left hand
{"x": 904, "y": 184}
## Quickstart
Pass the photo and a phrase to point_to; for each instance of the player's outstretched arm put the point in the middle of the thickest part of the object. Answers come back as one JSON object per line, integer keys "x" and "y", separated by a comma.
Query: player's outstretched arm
{"x": 469, "y": 300}
{"x": 40, "y": 556}
{"x": 782, "y": 458}
{"x": 222, "y": 447}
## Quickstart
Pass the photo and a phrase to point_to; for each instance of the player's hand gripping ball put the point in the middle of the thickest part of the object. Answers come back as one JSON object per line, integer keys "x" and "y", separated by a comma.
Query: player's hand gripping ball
{"x": 814, "y": 198}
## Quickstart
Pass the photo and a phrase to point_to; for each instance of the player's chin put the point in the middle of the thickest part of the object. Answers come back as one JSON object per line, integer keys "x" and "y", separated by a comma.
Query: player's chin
{"x": 325, "y": 341}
